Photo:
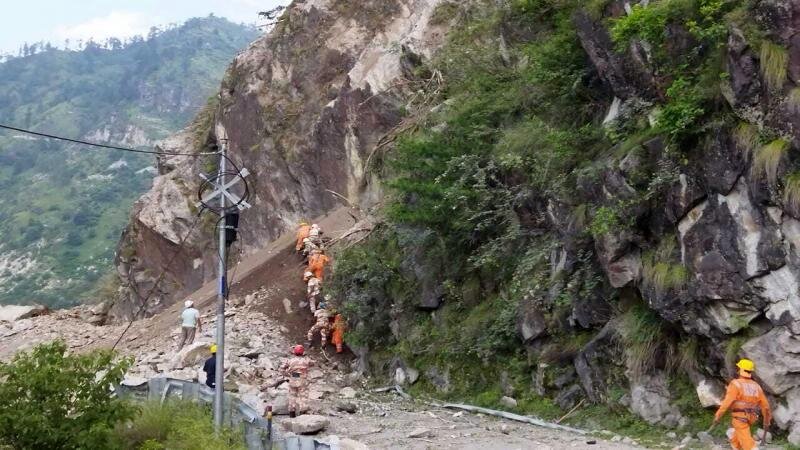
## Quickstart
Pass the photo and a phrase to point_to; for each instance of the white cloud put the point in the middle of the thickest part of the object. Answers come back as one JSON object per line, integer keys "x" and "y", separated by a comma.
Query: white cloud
{"x": 119, "y": 24}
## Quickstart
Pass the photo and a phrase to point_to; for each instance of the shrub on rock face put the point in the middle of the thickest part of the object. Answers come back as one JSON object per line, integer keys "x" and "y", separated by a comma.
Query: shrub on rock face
{"x": 56, "y": 400}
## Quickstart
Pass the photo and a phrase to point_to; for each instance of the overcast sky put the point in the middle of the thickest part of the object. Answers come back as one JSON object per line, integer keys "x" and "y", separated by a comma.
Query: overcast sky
{"x": 57, "y": 20}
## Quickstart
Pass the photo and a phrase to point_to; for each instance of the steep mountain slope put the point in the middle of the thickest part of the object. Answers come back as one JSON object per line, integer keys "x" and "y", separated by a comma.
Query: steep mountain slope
{"x": 302, "y": 108}
{"x": 64, "y": 206}
{"x": 587, "y": 202}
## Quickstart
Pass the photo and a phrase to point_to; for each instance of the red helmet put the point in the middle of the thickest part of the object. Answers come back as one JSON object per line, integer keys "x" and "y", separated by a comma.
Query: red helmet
{"x": 298, "y": 350}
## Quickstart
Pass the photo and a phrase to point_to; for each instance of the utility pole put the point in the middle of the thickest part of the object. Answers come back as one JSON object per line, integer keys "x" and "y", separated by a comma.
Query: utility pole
{"x": 219, "y": 383}
{"x": 227, "y": 200}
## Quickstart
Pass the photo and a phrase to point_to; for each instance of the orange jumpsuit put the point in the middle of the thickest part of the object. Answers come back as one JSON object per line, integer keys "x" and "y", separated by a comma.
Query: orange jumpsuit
{"x": 302, "y": 233}
{"x": 316, "y": 264}
{"x": 338, "y": 333}
{"x": 746, "y": 399}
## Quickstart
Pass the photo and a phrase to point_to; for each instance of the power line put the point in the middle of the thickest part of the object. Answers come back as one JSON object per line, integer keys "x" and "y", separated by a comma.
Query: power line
{"x": 111, "y": 147}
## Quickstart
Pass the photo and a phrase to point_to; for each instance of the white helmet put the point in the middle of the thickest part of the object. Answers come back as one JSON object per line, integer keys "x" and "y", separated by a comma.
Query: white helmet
{"x": 306, "y": 240}
{"x": 188, "y": 303}
{"x": 308, "y": 274}
{"x": 315, "y": 226}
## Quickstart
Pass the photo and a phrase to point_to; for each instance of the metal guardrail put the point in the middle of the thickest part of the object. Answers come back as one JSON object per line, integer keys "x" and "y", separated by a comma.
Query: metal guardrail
{"x": 236, "y": 413}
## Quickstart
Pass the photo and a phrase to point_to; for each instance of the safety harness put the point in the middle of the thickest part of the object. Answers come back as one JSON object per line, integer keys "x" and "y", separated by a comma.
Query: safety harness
{"x": 748, "y": 407}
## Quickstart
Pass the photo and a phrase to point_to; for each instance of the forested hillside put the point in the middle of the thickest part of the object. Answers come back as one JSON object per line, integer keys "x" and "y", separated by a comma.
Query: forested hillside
{"x": 64, "y": 206}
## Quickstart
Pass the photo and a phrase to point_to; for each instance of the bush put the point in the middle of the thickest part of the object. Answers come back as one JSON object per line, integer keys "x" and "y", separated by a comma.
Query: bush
{"x": 176, "y": 425}
{"x": 54, "y": 400}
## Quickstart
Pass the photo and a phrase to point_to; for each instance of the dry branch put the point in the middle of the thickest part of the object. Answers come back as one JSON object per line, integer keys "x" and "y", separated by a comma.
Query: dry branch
{"x": 512, "y": 416}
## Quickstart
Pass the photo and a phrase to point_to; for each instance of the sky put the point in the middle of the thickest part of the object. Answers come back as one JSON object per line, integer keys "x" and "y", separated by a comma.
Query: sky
{"x": 56, "y": 20}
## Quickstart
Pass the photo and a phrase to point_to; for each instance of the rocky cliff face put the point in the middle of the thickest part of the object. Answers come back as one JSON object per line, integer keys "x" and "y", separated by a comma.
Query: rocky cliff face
{"x": 302, "y": 108}
{"x": 700, "y": 230}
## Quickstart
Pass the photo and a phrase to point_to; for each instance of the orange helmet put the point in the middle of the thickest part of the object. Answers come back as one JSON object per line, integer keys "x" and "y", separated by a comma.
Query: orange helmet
{"x": 298, "y": 350}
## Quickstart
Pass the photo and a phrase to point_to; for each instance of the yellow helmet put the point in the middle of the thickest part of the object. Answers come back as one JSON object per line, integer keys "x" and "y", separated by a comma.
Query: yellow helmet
{"x": 213, "y": 348}
{"x": 746, "y": 364}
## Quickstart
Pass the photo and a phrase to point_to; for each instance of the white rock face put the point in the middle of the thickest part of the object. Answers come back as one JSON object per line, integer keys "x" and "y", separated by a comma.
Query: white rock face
{"x": 777, "y": 358}
{"x": 12, "y": 313}
{"x": 710, "y": 392}
{"x": 749, "y": 235}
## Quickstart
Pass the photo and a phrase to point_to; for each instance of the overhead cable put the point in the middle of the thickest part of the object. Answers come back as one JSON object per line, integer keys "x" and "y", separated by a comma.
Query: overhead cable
{"x": 110, "y": 147}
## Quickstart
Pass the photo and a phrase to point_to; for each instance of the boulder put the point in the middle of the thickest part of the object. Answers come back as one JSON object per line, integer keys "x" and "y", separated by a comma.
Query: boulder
{"x": 192, "y": 355}
{"x": 346, "y": 406}
{"x": 650, "y": 400}
{"x": 777, "y": 357}
{"x": 280, "y": 405}
{"x": 307, "y": 424}
{"x": 508, "y": 402}
{"x": 569, "y": 397}
{"x": 347, "y": 393}
{"x": 438, "y": 378}
{"x": 12, "y": 313}
{"x": 709, "y": 392}
{"x": 530, "y": 321}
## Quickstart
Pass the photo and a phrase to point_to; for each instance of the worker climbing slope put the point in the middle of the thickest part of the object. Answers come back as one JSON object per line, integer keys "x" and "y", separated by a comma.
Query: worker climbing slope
{"x": 315, "y": 235}
{"x": 321, "y": 325}
{"x": 190, "y": 324}
{"x": 296, "y": 370}
{"x": 317, "y": 262}
{"x": 302, "y": 233}
{"x": 745, "y": 399}
{"x": 313, "y": 290}
{"x": 337, "y": 337}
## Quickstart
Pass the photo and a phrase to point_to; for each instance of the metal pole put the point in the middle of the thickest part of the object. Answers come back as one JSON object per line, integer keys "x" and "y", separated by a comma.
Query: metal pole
{"x": 220, "y": 369}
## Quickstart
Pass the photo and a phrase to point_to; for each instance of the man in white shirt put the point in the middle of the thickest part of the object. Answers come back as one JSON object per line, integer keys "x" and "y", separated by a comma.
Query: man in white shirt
{"x": 190, "y": 323}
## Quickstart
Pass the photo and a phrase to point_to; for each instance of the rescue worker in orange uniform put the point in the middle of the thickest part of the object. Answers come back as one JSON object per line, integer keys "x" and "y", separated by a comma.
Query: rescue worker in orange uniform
{"x": 302, "y": 233}
{"x": 746, "y": 400}
{"x": 337, "y": 337}
{"x": 316, "y": 263}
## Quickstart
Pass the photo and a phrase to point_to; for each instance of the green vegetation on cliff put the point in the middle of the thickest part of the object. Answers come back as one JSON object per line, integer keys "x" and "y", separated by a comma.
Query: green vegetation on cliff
{"x": 488, "y": 272}
{"x": 63, "y": 206}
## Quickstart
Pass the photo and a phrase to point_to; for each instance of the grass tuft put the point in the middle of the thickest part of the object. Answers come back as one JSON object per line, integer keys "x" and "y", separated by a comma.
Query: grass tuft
{"x": 768, "y": 159}
{"x": 791, "y": 192}
{"x": 746, "y": 136}
{"x": 774, "y": 60}
{"x": 645, "y": 340}
{"x": 657, "y": 270}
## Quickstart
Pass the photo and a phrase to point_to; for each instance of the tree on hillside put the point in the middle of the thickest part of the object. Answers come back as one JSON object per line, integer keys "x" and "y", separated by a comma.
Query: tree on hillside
{"x": 56, "y": 400}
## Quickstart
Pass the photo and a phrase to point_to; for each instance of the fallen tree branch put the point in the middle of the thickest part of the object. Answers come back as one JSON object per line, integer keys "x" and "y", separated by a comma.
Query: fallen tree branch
{"x": 397, "y": 390}
{"x": 512, "y": 416}
{"x": 346, "y": 200}
{"x": 569, "y": 413}
{"x": 348, "y": 234}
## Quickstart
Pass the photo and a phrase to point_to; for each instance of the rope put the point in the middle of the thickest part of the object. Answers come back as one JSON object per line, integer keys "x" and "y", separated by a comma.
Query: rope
{"x": 158, "y": 281}
{"x": 95, "y": 144}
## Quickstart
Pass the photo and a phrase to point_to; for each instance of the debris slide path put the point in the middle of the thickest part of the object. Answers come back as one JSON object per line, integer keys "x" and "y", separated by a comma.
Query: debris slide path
{"x": 265, "y": 318}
